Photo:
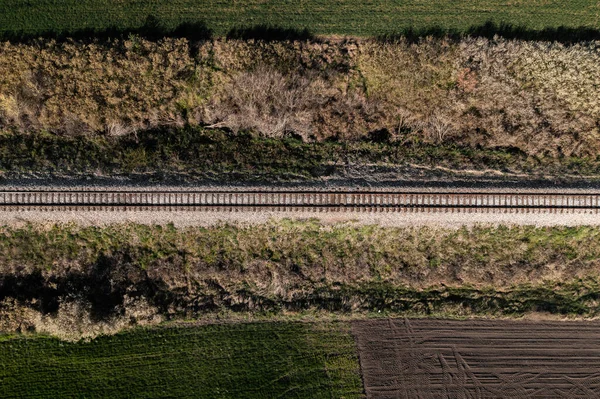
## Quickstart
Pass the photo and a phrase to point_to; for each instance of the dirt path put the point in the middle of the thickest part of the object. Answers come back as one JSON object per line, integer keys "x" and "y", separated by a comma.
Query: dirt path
{"x": 398, "y": 219}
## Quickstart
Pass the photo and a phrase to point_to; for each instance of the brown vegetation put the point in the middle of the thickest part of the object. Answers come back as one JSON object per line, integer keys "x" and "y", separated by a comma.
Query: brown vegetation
{"x": 68, "y": 278}
{"x": 540, "y": 97}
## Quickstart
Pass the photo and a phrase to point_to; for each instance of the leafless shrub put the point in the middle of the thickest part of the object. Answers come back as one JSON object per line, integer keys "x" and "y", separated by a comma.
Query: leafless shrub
{"x": 437, "y": 128}
{"x": 267, "y": 102}
{"x": 117, "y": 129}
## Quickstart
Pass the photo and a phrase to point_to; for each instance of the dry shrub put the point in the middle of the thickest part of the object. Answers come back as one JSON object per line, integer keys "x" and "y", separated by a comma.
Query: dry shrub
{"x": 267, "y": 102}
{"x": 351, "y": 115}
{"x": 536, "y": 96}
{"x": 304, "y": 88}
{"x": 437, "y": 127}
{"x": 540, "y": 97}
{"x": 272, "y": 104}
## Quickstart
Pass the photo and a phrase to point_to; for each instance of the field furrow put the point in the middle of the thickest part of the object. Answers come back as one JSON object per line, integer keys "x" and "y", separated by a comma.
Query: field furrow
{"x": 428, "y": 358}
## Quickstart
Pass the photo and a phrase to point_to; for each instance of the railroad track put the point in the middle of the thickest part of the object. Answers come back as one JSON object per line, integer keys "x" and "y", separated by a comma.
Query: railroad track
{"x": 319, "y": 201}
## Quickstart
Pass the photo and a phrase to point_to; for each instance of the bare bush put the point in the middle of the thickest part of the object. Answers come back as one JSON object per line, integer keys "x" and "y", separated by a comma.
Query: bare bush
{"x": 267, "y": 102}
{"x": 117, "y": 129}
{"x": 437, "y": 128}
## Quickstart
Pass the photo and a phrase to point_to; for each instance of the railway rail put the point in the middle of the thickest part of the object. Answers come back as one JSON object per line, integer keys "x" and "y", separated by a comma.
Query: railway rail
{"x": 328, "y": 201}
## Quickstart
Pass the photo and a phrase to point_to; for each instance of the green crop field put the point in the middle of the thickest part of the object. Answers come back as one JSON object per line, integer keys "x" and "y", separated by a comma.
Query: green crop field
{"x": 349, "y": 17}
{"x": 261, "y": 360}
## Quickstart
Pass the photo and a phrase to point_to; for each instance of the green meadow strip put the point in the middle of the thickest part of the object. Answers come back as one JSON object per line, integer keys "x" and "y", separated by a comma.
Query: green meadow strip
{"x": 260, "y": 360}
{"x": 344, "y": 17}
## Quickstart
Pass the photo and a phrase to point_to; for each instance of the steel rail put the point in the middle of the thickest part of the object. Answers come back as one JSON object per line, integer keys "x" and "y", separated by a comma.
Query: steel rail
{"x": 108, "y": 191}
{"x": 384, "y": 201}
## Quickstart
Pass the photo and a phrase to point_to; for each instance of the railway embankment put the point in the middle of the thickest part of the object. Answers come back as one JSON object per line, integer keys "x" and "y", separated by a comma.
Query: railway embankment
{"x": 365, "y": 205}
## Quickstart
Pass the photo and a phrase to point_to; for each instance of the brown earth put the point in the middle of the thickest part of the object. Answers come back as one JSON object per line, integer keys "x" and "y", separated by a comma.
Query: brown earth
{"x": 428, "y": 358}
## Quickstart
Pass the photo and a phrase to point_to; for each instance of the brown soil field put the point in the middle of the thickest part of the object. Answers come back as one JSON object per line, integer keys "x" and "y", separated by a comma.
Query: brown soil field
{"x": 429, "y": 358}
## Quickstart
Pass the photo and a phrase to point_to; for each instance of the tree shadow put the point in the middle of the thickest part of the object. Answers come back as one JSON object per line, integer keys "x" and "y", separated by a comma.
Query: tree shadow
{"x": 152, "y": 29}
{"x": 562, "y": 34}
{"x": 270, "y": 33}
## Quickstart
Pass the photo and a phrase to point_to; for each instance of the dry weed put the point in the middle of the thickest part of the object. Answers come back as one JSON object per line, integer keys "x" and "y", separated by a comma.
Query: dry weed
{"x": 104, "y": 280}
{"x": 268, "y": 102}
{"x": 539, "y": 97}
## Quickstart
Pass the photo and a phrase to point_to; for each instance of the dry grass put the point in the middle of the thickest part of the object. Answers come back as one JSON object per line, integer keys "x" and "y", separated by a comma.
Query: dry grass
{"x": 539, "y": 97}
{"x": 414, "y": 80}
{"x": 85, "y": 280}
{"x": 74, "y": 320}
{"x": 78, "y": 88}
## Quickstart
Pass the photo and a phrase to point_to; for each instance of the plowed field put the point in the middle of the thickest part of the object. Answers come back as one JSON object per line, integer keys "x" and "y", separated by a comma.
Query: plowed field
{"x": 479, "y": 359}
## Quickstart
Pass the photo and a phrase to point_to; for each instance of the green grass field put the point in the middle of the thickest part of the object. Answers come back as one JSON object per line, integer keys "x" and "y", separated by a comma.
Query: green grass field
{"x": 349, "y": 17}
{"x": 263, "y": 360}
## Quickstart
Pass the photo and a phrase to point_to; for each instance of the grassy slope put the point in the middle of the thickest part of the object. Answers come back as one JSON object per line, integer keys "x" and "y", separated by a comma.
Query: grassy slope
{"x": 300, "y": 266}
{"x": 194, "y": 153}
{"x": 321, "y": 16}
{"x": 266, "y": 360}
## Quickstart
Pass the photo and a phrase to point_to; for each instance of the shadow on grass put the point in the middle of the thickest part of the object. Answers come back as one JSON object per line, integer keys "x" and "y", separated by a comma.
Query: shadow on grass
{"x": 152, "y": 29}
{"x": 270, "y": 33}
{"x": 561, "y": 34}
{"x": 155, "y": 29}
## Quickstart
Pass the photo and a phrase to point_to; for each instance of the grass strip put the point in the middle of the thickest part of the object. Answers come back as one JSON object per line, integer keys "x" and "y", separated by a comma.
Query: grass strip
{"x": 343, "y": 17}
{"x": 198, "y": 154}
{"x": 65, "y": 278}
{"x": 261, "y": 360}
